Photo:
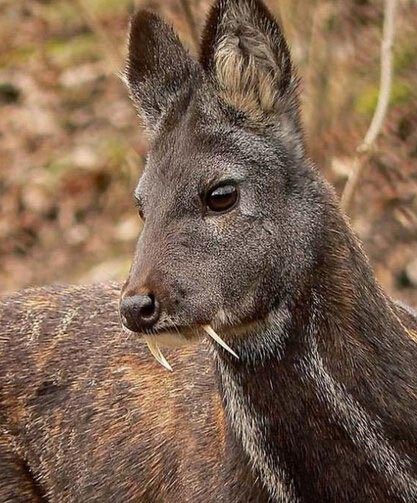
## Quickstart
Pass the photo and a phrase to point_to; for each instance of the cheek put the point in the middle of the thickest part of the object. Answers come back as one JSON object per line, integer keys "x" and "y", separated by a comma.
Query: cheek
{"x": 197, "y": 287}
{"x": 242, "y": 270}
{"x": 251, "y": 270}
{"x": 225, "y": 264}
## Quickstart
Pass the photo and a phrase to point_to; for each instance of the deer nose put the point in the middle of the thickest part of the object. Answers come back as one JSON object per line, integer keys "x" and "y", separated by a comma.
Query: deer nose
{"x": 139, "y": 312}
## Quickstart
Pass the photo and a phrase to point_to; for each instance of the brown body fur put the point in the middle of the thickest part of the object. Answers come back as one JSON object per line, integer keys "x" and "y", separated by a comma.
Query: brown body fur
{"x": 86, "y": 414}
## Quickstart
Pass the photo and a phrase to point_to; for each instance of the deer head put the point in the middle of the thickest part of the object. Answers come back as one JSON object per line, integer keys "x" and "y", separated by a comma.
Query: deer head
{"x": 232, "y": 208}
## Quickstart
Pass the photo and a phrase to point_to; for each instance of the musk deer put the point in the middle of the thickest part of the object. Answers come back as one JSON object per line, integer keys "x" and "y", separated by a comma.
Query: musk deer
{"x": 316, "y": 401}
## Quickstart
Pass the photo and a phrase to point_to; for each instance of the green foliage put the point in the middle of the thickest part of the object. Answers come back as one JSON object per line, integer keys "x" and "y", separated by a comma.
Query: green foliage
{"x": 76, "y": 50}
{"x": 115, "y": 151}
{"x": 17, "y": 56}
{"x": 110, "y": 6}
{"x": 55, "y": 169}
{"x": 405, "y": 56}
{"x": 60, "y": 12}
{"x": 401, "y": 92}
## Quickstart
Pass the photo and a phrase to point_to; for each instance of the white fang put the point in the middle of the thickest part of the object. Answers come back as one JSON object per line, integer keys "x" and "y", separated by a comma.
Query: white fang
{"x": 156, "y": 352}
{"x": 219, "y": 340}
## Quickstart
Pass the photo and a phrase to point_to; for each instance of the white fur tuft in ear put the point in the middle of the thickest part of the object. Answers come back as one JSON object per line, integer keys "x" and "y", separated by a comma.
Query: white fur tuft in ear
{"x": 247, "y": 73}
{"x": 246, "y": 52}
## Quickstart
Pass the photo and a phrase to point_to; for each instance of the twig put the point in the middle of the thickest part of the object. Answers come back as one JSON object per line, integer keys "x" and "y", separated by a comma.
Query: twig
{"x": 365, "y": 148}
{"x": 186, "y": 7}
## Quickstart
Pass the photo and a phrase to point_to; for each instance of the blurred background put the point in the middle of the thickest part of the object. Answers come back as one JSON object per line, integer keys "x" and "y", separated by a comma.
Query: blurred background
{"x": 71, "y": 147}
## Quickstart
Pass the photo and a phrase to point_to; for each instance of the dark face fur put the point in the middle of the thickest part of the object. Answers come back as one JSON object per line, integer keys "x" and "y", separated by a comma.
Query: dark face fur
{"x": 225, "y": 134}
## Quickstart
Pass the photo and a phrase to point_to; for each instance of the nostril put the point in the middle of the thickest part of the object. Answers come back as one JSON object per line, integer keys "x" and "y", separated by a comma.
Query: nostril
{"x": 148, "y": 307}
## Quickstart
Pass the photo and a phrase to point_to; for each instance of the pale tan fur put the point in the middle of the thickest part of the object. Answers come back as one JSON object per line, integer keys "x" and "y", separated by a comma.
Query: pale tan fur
{"x": 246, "y": 67}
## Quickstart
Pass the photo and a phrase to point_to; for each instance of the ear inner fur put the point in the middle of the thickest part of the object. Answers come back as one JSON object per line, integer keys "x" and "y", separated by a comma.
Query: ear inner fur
{"x": 245, "y": 51}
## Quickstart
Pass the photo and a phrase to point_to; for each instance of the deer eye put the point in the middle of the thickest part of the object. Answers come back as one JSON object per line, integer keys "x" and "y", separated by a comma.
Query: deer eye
{"x": 223, "y": 198}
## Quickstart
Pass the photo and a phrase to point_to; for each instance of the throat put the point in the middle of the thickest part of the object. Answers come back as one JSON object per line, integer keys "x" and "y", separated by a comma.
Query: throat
{"x": 251, "y": 431}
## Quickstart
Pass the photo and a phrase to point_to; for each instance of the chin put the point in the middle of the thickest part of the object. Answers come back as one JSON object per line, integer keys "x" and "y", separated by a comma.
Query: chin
{"x": 172, "y": 339}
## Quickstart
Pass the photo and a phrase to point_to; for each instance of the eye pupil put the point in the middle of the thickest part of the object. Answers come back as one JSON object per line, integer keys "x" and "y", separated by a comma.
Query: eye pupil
{"x": 222, "y": 198}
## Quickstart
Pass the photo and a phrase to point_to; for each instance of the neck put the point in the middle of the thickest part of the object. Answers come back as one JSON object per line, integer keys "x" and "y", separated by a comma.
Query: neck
{"x": 321, "y": 399}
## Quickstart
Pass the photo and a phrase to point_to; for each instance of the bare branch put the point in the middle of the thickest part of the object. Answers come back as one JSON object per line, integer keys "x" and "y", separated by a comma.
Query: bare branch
{"x": 365, "y": 148}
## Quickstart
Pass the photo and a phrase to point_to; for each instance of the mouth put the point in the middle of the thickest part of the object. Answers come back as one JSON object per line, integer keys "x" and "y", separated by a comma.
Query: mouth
{"x": 177, "y": 336}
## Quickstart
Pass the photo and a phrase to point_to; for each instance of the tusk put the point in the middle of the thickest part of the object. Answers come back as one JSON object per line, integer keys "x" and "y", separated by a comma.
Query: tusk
{"x": 156, "y": 352}
{"x": 219, "y": 340}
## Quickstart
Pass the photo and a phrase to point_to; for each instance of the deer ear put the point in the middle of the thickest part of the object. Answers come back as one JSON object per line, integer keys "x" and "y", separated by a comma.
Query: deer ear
{"x": 159, "y": 71}
{"x": 245, "y": 51}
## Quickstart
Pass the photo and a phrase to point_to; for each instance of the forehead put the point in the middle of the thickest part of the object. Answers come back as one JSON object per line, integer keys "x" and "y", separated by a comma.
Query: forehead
{"x": 196, "y": 153}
